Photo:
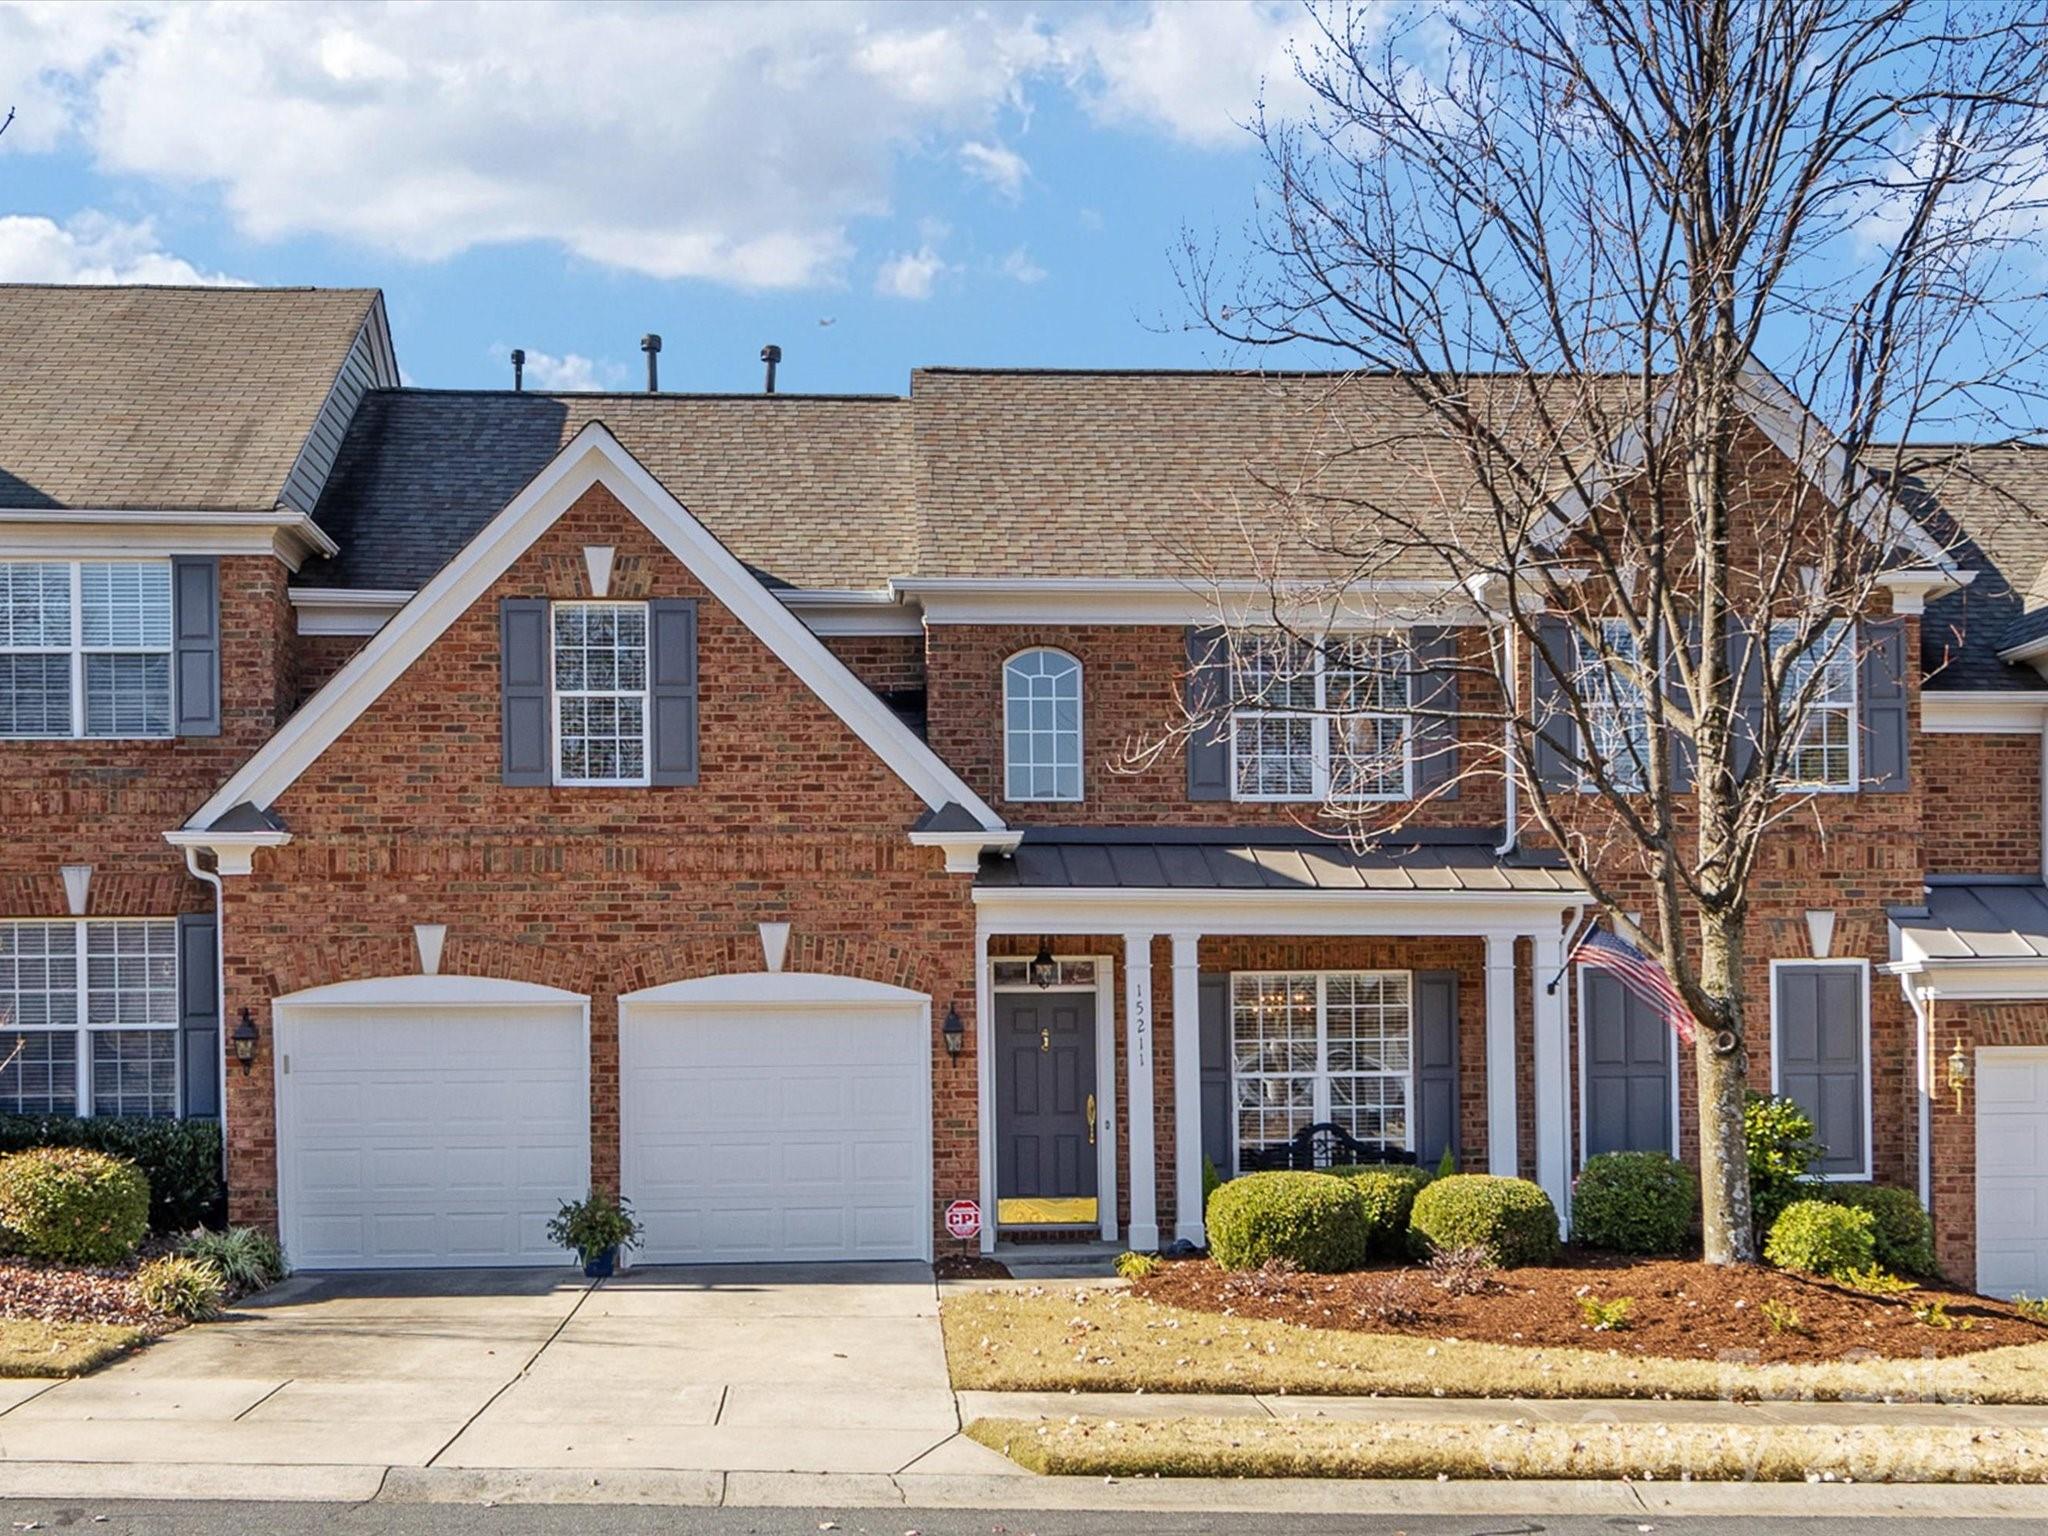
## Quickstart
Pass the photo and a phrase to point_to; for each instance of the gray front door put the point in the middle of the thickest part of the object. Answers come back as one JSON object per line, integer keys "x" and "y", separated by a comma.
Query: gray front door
{"x": 1628, "y": 1069}
{"x": 1045, "y": 1108}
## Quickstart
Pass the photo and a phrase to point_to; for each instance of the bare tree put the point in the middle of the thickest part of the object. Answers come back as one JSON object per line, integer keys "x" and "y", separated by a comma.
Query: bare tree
{"x": 1615, "y": 260}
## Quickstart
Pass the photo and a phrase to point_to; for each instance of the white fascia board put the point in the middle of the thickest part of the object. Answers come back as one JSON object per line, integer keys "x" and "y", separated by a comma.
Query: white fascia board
{"x": 139, "y": 532}
{"x": 1975, "y": 980}
{"x": 233, "y": 852}
{"x": 345, "y": 610}
{"x": 1985, "y": 714}
{"x": 1401, "y": 914}
{"x": 1912, "y": 590}
{"x": 593, "y": 456}
{"x": 1139, "y": 600}
{"x": 851, "y": 611}
{"x": 964, "y": 849}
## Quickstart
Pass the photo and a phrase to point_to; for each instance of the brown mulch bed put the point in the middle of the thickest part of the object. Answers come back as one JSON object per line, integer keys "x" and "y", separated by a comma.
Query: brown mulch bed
{"x": 970, "y": 1266}
{"x": 1683, "y": 1310}
{"x": 66, "y": 1293}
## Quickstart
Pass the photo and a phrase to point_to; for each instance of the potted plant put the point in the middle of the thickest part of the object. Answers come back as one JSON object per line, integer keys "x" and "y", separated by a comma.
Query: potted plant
{"x": 595, "y": 1229}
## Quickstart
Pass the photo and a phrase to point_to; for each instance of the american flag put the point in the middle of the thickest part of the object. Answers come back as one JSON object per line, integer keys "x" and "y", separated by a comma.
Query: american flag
{"x": 1640, "y": 974}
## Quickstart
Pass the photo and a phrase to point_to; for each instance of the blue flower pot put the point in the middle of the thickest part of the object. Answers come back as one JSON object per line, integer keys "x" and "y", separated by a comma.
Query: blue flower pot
{"x": 599, "y": 1266}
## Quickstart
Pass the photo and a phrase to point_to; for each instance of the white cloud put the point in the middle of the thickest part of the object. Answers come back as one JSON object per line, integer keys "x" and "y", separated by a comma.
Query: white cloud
{"x": 910, "y": 274}
{"x": 568, "y": 373}
{"x": 1002, "y": 168}
{"x": 1019, "y": 267}
{"x": 1196, "y": 72}
{"x": 93, "y": 248}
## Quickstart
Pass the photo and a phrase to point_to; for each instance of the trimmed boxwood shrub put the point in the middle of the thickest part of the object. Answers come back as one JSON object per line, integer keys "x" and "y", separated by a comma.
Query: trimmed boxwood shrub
{"x": 1778, "y": 1136}
{"x": 1511, "y": 1220}
{"x": 1904, "y": 1236}
{"x": 1635, "y": 1202}
{"x": 1389, "y": 1191}
{"x": 1309, "y": 1219}
{"x": 71, "y": 1204}
{"x": 180, "y": 1158}
{"x": 1819, "y": 1237}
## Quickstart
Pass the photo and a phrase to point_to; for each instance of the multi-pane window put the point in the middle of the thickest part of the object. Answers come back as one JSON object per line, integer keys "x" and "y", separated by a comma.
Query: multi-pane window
{"x": 601, "y": 710}
{"x": 1823, "y": 752}
{"x": 1316, "y": 722}
{"x": 85, "y": 648}
{"x": 89, "y": 1018}
{"x": 1042, "y": 726}
{"x": 1607, "y": 684}
{"x": 1315, "y": 1046}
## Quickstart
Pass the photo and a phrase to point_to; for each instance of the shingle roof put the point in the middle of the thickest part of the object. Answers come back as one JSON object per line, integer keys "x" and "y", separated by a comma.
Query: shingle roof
{"x": 809, "y": 491}
{"x": 164, "y": 398}
{"x": 1996, "y": 499}
{"x": 1271, "y": 859}
{"x": 1990, "y": 920}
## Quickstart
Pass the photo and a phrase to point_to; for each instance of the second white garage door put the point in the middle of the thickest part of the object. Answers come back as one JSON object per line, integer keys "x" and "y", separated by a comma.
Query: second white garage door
{"x": 2012, "y": 1171}
{"x": 777, "y": 1118}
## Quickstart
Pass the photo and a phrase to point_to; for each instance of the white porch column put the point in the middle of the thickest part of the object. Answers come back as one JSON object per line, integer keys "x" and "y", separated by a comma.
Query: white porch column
{"x": 985, "y": 1087}
{"x": 1553, "y": 1109}
{"x": 1503, "y": 1134}
{"x": 1187, "y": 1090}
{"x": 1144, "y": 1234}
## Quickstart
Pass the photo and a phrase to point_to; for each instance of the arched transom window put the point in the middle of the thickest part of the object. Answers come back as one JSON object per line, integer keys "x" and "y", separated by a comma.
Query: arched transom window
{"x": 1042, "y": 726}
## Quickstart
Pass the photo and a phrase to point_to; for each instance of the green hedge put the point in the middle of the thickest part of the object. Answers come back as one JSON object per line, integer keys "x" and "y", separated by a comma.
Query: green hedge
{"x": 1778, "y": 1136}
{"x": 73, "y": 1205}
{"x": 1309, "y": 1219}
{"x": 1511, "y": 1219}
{"x": 1819, "y": 1237}
{"x": 1903, "y": 1235}
{"x": 180, "y": 1158}
{"x": 1388, "y": 1190}
{"x": 1635, "y": 1202}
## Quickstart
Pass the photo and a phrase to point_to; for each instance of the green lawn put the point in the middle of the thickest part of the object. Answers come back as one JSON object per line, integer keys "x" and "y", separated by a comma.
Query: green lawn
{"x": 31, "y": 1348}
{"x": 1107, "y": 1340}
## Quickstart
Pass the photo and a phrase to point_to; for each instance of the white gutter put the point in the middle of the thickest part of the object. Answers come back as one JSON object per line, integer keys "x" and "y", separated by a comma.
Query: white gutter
{"x": 1923, "y": 1071}
{"x": 1511, "y": 807}
{"x": 220, "y": 993}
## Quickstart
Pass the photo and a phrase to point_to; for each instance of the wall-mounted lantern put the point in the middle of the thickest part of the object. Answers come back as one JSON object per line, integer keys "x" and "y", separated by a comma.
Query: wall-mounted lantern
{"x": 953, "y": 1031}
{"x": 1958, "y": 1072}
{"x": 244, "y": 1039}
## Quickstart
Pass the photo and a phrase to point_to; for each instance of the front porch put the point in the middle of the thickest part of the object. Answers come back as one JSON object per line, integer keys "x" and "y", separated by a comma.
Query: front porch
{"x": 1221, "y": 992}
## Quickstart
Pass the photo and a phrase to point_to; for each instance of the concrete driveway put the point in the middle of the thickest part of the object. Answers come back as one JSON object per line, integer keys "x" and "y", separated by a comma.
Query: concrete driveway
{"x": 813, "y": 1369}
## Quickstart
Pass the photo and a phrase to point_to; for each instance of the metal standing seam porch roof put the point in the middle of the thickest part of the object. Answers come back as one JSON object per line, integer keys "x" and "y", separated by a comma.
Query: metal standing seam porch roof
{"x": 1980, "y": 920}
{"x": 1276, "y": 859}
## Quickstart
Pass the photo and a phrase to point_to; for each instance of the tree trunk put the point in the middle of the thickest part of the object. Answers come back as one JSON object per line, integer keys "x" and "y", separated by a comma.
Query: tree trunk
{"x": 1730, "y": 1231}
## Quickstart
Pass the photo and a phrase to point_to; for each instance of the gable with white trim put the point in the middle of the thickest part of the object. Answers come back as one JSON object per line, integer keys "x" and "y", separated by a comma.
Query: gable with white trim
{"x": 594, "y": 461}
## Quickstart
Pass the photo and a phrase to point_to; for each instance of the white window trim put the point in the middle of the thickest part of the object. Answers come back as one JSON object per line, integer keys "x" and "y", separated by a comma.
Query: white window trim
{"x": 1606, "y": 704}
{"x": 83, "y": 1032}
{"x": 1854, "y": 706}
{"x": 76, "y": 650}
{"x": 1080, "y": 729}
{"x": 1585, "y": 1108}
{"x": 1319, "y": 1108}
{"x": 1862, "y": 966}
{"x": 1322, "y": 722}
{"x": 645, "y": 693}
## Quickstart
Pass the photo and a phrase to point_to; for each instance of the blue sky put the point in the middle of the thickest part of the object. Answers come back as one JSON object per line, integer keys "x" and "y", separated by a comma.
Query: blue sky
{"x": 943, "y": 184}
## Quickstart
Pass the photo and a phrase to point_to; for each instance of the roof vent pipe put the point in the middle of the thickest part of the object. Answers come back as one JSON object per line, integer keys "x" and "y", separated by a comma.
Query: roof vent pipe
{"x": 518, "y": 369}
{"x": 771, "y": 355}
{"x": 651, "y": 345}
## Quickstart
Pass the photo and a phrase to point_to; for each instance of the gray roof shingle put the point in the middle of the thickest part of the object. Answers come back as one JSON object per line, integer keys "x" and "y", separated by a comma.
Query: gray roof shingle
{"x": 164, "y": 398}
{"x": 1989, "y": 505}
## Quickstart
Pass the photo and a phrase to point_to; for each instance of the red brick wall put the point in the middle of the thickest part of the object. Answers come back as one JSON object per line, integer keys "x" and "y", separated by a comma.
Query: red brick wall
{"x": 1983, "y": 805}
{"x": 601, "y": 891}
{"x": 316, "y": 658}
{"x": 108, "y": 803}
{"x": 884, "y": 662}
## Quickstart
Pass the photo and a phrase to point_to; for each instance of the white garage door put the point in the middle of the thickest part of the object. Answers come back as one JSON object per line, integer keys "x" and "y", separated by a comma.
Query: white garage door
{"x": 2012, "y": 1171}
{"x": 762, "y": 1124}
{"x": 430, "y": 1133}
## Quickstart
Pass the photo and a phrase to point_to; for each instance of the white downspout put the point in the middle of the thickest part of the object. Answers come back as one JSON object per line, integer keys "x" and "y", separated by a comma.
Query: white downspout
{"x": 220, "y": 993}
{"x": 1512, "y": 804}
{"x": 1923, "y": 1071}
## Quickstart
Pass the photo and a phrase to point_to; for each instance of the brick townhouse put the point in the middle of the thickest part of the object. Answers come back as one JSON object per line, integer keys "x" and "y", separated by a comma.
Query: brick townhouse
{"x": 472, "y": 796}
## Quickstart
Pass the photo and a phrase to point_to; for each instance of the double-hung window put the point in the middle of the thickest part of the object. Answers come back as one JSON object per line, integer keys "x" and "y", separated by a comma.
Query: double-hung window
{"x": 1607, "y": 684}
{"x": 600, "y": 692}
{"x": 1824, "y": 749}
{"x": 89, "y": 1017}
{"x": 1319, "y": 722}
{"x": 85, "y": 648}
{"x": 1314, "y": 1046}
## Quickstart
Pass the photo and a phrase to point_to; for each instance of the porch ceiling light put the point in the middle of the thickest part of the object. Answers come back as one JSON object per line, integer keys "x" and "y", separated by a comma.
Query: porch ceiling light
{"x": 1045, "y": 971}
{"x": 244, "y": 1039}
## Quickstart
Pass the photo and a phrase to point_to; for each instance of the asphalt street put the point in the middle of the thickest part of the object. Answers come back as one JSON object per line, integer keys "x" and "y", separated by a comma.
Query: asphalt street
{"x": 382, "y": 1518}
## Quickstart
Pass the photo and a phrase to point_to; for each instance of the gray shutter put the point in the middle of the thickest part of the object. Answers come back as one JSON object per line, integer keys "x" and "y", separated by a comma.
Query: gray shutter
{"x": 1746, "y": 720}
{"x": 1683, "y": 752}
{"x": 195, "y": 645}
{"x": 1626, "y": 1047}
{"x": 1881, "y": 688}
{"x": 1433, "y": 685}
{"x": 1557, "y": 733}
{"x": 1208, "y": 685}
{"x": 1436, "y": 1065}
{"x": 672, "y": 689}
{"x": 199, "y": 1014}
{"x": 1216, "y": 1105}
{"x": 525, "y": 729}
{"x": 1820, "y": 1062}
